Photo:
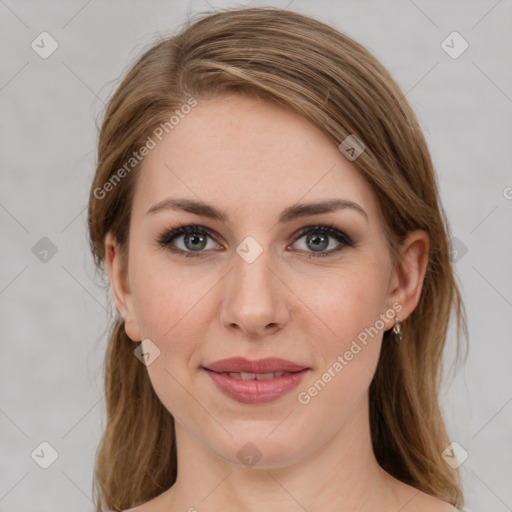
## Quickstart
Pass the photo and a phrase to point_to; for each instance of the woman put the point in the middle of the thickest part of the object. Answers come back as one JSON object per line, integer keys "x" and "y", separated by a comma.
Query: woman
{"x": 266, "y": 208}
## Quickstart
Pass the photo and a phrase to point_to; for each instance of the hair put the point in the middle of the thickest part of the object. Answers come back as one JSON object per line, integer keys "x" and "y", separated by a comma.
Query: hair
{"x": 328, "y": 78}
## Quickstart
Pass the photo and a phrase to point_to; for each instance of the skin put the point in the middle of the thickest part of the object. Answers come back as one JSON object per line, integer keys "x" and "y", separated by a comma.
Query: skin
{"x": 252, "y": 160}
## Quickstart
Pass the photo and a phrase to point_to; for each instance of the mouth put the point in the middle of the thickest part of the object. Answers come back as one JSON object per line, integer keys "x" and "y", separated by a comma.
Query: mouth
{"x": 263, "y": 367}
{"x": 255, "y": 376}
{"x": 256, "y": 388}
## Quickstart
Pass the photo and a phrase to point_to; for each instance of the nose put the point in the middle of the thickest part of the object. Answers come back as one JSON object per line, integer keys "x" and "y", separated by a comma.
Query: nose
{"x": 254, "y": 297}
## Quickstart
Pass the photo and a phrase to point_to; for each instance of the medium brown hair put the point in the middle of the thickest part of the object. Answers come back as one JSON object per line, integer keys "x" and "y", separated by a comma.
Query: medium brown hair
{"x": 328, "y": 78}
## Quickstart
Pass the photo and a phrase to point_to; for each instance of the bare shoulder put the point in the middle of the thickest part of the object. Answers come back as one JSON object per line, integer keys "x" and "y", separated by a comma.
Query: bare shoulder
{"x": 437, "y": 505}
{"x": 154, "y": 505}
{"x": 422, "y": 502}
{"x": 139, "y": 508}
{"x": 145, "y": 507}
{"x": 414, "y": 500}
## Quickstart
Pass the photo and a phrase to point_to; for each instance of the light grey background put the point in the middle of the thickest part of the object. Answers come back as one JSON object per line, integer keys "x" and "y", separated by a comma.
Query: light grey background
{"x": 52, "y": 314}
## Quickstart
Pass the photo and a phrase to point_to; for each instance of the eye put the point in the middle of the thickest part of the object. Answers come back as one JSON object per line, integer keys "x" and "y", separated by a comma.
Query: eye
{"x": 194, "y": 240}
{"x": 317, "y": 238}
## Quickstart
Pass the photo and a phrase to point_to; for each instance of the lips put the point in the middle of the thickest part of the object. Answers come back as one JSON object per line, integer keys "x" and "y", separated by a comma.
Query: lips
{"x": 256, "y": 382}
{"x": 263, "y": 366}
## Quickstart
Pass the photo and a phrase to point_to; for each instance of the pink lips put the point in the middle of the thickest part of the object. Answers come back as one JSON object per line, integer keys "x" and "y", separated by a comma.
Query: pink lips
{"x": 251, "y": 382}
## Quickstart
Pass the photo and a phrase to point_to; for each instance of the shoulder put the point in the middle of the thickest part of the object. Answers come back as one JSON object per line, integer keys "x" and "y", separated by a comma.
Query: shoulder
{"x": 160, "y": 502}
{"x": 414, "y": 500}
{"x": 422, "y": 502}
{"x": 145, "y": 507}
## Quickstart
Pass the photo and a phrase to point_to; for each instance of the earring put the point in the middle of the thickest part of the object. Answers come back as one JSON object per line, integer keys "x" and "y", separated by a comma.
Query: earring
{"x": 397, "y": 330}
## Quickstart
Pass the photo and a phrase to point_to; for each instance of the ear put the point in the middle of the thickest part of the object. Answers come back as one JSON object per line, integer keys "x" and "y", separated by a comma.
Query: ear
{"x": 407, "y": 279}
{"x": 121, "y": 292}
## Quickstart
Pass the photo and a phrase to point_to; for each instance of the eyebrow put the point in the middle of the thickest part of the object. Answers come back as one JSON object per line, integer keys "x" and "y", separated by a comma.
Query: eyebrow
{"x": 289, "y": 214}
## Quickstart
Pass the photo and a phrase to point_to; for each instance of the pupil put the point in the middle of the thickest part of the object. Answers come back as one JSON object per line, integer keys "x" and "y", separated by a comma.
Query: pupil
{"x": 195, "y": 239}
{"x": 315, "y": 238}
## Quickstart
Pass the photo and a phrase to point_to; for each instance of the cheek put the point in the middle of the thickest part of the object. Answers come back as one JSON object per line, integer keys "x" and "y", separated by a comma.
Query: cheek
{"x": 347, "y": 310}
{"x": 347, "y": 301}
{"x": 348, "y": 353}
{"x": 171, "y": 312}
{"x": 166, "y": 295}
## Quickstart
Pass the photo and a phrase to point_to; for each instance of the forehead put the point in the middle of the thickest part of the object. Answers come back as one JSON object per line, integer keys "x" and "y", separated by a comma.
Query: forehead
{"x": 246, "y": 155}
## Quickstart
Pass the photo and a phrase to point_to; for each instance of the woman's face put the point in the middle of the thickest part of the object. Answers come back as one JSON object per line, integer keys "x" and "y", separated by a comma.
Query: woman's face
{"x": 258, "y": 285}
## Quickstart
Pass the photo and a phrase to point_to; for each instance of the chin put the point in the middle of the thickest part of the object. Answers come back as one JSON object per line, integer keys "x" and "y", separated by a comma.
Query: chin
{"x": 259, "y": 451}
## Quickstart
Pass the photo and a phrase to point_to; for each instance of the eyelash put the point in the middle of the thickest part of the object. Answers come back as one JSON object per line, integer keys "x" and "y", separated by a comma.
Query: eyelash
{"x": 167, "y": 237}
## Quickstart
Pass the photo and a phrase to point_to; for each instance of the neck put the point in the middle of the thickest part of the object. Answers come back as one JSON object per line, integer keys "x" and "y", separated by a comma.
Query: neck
{"x": 342, "y": 475}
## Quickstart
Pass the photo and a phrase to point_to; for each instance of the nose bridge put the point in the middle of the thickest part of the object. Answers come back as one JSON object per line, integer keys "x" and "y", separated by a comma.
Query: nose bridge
{"x": 252, "y": 297}
{"x": 252, "y": 275}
